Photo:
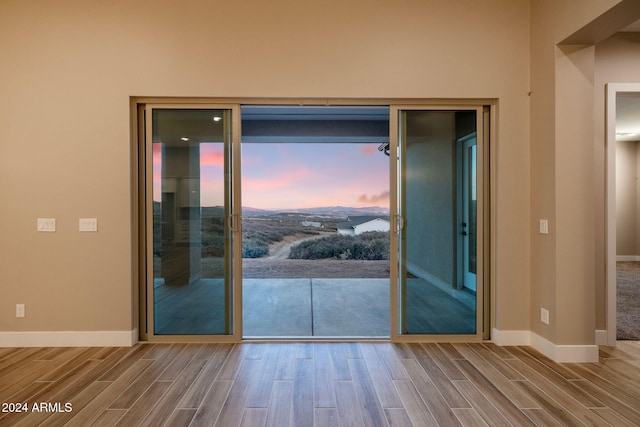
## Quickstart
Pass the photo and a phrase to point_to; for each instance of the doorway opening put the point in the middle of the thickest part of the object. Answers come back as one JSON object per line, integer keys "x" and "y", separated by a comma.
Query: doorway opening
{"x": 623, "y": 277}
{"x": 315, "y": 222}
{"x": 280, "y": 221}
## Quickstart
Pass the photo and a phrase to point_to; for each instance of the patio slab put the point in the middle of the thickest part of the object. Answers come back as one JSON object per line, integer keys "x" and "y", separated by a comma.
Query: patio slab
{"x": 276, "y": 307}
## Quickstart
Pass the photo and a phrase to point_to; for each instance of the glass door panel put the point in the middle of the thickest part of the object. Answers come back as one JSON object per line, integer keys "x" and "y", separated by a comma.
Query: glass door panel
{"x": 437, "y": 222}
{"x": 191, "y": 290}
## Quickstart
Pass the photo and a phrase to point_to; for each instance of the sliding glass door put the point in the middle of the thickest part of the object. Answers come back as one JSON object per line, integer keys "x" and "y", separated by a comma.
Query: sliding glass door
{"x": 437, "y": 282}
{"x": 190, "y": 154}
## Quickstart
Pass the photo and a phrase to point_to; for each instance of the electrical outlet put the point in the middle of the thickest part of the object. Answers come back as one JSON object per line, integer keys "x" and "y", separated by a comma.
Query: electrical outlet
{"x": 19, "y": 310}
{"x": 544, "y": 316}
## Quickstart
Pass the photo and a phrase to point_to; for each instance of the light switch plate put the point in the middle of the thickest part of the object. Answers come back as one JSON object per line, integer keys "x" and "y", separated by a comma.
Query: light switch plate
{"x": 544, "y": 226}
{"x": 88, "y": 224}
{"x": 47, "y": 225}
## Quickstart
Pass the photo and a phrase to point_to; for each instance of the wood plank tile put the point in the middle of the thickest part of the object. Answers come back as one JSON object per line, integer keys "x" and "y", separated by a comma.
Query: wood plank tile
{"x": 239, "y": 393}
{"x": 541, "y": 373}
{"x": 141, "y": 383}
{"x": 481, "y": 404}
{"x": 560, "y": 369}
{"x": 180, "y": 418}
{"x": 212, "y": 404}
{"x": 500, "y": 352}
{"x": 286, "y": 365}
{"x": 615, "y": 390}
{"x": 380, "y": 377}
{"x": 125, "y": 362}
{"x": 195, "y": 394}
{"x": 78, "y": 401}
{"x": 430, "y": 394}
{"x": 254, "y": 417}
{"x": 281, "y": 404}
{"x": 495, "y": 394}
{"x": 175, "y": 368}
{"x": 412, "y": 377}
{"x": 612, "y": 418}
{"x": 499, "y": 364}
{"x": 391, "y": 356}
{"x": 233, "y": 362}
{"x": 398, "y": 417}
{"x": 541, "y": 417}
{"x": 469, "y": 417}
{"x": 162, "y": 411}
{"x": 370, "y": 406}
{"x": 147, "y": 401}
{"x": 495, "y": 377}
{"x": 324, "y": 392}
{"x": 303, "y": 393}
{"x": 339, "y": 355}
{"x": 547, "y": 403}
{"x": 444, "y": 362}
{"x": 569, "y": 398}
{"x": 451, "y": 395}
{"x": 108, "y": 418}
{"x": 610, "y": 401}
{"x": 326, "y": 417}
{"x": 348, "y": 409}
{"x": 260, "y": 393}
{"x": 624, "y": 376}
{"x": 418, "y": 412}
{"x": 87, "y": 415}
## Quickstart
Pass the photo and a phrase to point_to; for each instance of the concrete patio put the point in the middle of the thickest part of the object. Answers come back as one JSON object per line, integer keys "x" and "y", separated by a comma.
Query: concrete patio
{"x": 302, "y": 308}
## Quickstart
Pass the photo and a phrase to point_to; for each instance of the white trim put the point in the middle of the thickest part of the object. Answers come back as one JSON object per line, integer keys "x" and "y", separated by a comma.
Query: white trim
{"x": 601, "y": 337}
{"x": 69, "y": 338}
{"x": 565, "y": 353}
{"x": 627, "y": 258}
{"x": 510, "y": 338}
{"x": 557, "y": 353}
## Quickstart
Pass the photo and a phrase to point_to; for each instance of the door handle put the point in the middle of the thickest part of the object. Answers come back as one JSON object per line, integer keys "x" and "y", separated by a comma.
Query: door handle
{"x": 234, "y": 222}
{"x": 399, "y": 223}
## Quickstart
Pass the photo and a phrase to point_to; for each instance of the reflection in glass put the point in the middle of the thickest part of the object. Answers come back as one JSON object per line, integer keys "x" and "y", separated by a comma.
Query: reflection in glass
{"x": 438, "y": 222}
{"x": 190, "y": 242}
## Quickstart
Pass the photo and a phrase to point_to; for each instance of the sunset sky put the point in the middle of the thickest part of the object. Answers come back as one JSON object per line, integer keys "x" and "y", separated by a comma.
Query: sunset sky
{"x": 296, "y": 175}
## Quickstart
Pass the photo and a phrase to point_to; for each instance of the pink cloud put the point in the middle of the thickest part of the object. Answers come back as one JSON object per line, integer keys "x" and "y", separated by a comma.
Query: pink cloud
{"x": 211, "y": 155}
{"x": 368, "y": 150}
{"x": 374, "y": 199}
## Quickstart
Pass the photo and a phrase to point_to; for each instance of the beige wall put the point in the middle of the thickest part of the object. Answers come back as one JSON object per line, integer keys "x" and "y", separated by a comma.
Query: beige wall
{"x": 568, "y": 158}
{"x": 69, "y": 68}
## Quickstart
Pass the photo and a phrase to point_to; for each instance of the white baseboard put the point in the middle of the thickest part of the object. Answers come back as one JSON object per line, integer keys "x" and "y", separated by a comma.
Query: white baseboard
{"x": 69, "y": 339}
{"x": 555, "y": 352}
{"x": 510, "y": 338}
{"x": 627, "y": 257}
{"x": 565, "y": 353}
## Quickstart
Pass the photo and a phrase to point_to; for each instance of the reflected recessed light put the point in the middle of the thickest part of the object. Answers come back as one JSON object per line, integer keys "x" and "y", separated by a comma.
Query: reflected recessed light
{"x": 184, "y": 138}
{"x": 217, "y": 118}
{"x": 625, "y": 134}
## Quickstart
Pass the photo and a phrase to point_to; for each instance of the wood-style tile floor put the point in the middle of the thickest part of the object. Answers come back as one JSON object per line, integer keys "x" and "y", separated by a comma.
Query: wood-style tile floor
{"x": 316, "y": 384}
